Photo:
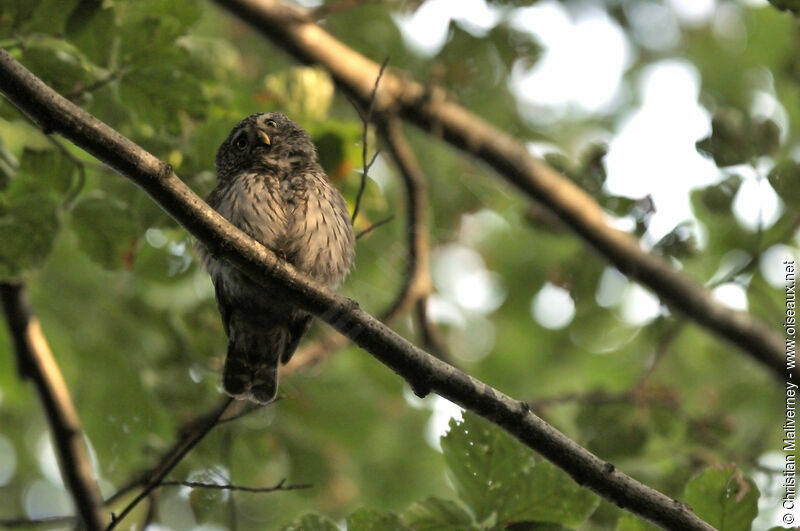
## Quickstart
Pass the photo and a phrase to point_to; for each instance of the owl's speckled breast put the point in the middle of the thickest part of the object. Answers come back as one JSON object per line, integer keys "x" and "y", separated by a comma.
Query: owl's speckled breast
{"x": 253, "y": 203}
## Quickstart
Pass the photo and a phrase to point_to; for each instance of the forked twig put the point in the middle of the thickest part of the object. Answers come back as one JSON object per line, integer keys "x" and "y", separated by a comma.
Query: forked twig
{"x": 366, "y": 118}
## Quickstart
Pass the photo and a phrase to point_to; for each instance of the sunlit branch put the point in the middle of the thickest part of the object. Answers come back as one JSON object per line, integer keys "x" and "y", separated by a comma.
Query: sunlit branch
{"x": 424, "y": 372}
{"x": 36, "y": 362}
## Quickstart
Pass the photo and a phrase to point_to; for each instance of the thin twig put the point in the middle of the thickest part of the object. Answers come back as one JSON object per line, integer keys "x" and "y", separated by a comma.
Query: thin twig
{"x": 36, "y": 361}
{"x": 281, "y": 485}
{"x": 366, "y": 118}
{"x": 374, "y": 226}
{"x": 95, "y": 85}
{"x": 187, "y": 444}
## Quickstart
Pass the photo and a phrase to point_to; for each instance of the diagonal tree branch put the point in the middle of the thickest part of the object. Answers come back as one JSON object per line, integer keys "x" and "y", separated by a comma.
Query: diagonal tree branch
{"x": 422, "y": 371}
{"x": 294, "y": 30}
{"x": 36, "y": 362}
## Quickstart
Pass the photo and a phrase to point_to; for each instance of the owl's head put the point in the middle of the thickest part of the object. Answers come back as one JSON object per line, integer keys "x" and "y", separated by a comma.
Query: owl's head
{"x": 264, "y": 142}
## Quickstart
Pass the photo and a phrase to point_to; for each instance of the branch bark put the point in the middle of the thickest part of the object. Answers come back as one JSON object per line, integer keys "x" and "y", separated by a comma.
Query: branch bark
{"x": 424, "y": 372}
{"x": 36, "y": 362}
{"x": 294, "y": 30}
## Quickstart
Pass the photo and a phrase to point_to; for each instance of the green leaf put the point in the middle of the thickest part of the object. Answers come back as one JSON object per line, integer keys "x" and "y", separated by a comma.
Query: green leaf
{"x": 311, "y": 522}
{"x": 630, "y": 522}
{"x": 106, "y": 230}
{"x": 679, "y": 242}
{"x": 724, "y": 498}
{"x": 59, "y": 64}
{"x": 161, "y": 93}
{"x": 28, "y": 228}
{"x": 370, "y": 520}
{"x": 500, "y": 481}
{"x": 718, "y": 198}
{"x": 47, "y": 168}
{"x": 736, "y": 138}
{"x": 786, "y": 5}
{"x": 149, "y": 27}
{"x": 556, "y": 498}
{"x": 436, "y": 514}
{"x": 92, "y": 28}
{"x": 785, "y": 180}
{"x": 305, "y": 92}
{"x": 612, "y": 430}
{"x": 35, "y": 16}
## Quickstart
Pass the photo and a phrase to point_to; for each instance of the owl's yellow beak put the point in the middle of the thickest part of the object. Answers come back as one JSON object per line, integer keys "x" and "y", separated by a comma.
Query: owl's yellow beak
{"x": 264, "y": 138}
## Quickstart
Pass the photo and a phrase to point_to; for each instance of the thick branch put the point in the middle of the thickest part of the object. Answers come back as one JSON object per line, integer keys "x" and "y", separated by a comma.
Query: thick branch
{"x": 35, "y": 361}
{"x": 424, "y": 372}
{"x": 430, "y": 109}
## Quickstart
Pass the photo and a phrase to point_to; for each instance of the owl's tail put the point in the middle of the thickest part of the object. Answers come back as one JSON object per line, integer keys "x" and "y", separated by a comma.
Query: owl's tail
{"x": 254, "y": 353}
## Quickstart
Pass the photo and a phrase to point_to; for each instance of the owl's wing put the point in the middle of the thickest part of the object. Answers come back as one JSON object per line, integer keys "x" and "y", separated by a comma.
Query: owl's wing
{"x": 297, "y": 327}
{"x": 224, "y": 305}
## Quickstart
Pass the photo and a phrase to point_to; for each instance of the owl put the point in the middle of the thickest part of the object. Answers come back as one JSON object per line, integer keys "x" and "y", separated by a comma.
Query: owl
{"x": 271, "y": 186}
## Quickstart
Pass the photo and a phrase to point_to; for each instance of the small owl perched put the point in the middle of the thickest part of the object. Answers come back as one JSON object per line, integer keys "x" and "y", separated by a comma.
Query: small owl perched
{"x": 272, "y": 187}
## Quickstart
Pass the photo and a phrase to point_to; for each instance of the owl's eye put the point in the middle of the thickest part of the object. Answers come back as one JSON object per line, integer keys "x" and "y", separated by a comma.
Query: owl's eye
{"x": 241, "y": 142}
{"x": 272, "y": 124}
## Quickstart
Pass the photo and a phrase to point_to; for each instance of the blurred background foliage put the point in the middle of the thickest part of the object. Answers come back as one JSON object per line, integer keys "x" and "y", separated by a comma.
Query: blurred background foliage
{"x": 520, "y": 302}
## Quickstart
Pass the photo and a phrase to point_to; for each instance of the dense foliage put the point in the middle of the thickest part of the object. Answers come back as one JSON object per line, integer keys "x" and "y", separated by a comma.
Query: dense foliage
{"x": 130, "y": 315}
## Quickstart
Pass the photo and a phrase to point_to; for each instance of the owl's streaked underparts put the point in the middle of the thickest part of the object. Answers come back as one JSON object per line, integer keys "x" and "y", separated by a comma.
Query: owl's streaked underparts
{"x": 271, "y": 186}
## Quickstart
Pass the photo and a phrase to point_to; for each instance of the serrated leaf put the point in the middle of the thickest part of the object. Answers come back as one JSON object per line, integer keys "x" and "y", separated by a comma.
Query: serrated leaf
{"x": 311, "y": 522}
{"x": 106, "y": 230}
{"x": 724, "y": 498}
{"x": 28, "y": 228}
{"x": 500, "y": 481}
{"x": 369, "y": 520}
{"x": 436, "y": 514}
